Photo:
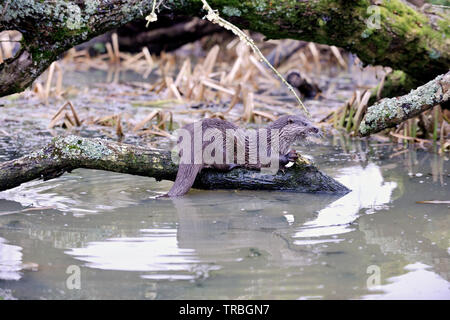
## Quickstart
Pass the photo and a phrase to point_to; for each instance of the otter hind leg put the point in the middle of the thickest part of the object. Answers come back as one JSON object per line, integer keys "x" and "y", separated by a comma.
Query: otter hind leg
{"x": 185, "y": 179}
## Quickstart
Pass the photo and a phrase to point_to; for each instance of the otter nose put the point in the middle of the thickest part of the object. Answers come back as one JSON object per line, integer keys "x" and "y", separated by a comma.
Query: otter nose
{"x": 315, "y": 130}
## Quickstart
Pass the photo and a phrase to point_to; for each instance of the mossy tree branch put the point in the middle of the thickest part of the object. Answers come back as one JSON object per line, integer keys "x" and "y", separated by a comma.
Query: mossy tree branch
{"x": 389, "y": 112}
{"x": 64, "y": 154}
{"x": 408, "y": 40}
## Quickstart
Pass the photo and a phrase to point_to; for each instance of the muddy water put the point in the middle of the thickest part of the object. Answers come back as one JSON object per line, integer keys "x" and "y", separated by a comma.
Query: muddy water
{"x": 234, "y": 244}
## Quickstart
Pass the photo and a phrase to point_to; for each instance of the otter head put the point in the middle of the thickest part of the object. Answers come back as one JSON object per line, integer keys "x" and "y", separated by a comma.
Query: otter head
{"x": 296, "y": 126}
{"x": 293, "y": 128}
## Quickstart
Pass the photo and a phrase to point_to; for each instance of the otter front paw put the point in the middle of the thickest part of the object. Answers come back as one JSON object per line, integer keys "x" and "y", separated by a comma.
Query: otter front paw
{"x": 291, "y": 156}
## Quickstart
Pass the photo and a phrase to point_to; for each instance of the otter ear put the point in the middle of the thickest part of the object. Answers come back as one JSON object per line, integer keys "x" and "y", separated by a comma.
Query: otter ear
{"x": 290, "y": 121}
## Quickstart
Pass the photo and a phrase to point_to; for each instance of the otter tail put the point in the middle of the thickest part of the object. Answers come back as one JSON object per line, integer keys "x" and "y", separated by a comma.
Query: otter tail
{"x": 185, "y": 179}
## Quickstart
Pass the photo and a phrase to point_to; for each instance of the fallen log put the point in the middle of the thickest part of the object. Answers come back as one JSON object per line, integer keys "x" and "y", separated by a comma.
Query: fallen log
{"x": 389, "y": 112}
{"x": 64, "y": 154}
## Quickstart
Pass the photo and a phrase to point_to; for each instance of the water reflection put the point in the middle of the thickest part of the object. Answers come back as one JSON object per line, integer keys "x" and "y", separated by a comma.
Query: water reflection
{"x": 418, "y": 283}
{"x": 85, "y": 191}
{"x": 241, "y": 225}
{"x": 369, "y": 192}
{"x": 10, "y": 261}
{"x": 157, "y": 251}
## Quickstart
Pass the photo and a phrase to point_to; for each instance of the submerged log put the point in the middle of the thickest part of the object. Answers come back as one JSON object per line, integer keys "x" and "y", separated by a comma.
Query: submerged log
{"x": 64, "y": 154}
{"x": 385, "y": 32}
{"x": 389, "y": 112}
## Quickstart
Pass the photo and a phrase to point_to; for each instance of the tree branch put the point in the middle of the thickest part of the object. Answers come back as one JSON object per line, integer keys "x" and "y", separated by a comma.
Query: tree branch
{"x": 391, "y": 111}
{"x": 406, "y": 39}
{"x": 64, "y": 154}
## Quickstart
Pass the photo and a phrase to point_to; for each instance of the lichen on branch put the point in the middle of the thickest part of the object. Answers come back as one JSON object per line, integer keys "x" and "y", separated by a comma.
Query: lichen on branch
{"x": 389, "y": 112}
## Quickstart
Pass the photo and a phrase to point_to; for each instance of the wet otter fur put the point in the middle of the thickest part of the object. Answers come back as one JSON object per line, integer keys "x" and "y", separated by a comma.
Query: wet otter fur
{"x": 290, "y": 129}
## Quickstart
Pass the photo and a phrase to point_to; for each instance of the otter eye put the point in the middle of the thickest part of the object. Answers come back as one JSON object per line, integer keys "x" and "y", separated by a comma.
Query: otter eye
{"x": 290, "y": 121}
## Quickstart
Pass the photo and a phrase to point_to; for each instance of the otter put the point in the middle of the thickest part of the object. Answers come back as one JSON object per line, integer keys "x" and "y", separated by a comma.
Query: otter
{"x": 288, "y": 129}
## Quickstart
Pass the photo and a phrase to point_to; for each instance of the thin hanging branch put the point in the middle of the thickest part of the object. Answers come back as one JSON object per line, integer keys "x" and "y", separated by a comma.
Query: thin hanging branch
{"x": 152, "y": 17}
{"x": 214, "y": 17}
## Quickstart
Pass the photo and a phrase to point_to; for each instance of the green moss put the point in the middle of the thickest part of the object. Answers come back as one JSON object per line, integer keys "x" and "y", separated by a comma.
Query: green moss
{"x": 231, "y": 11}
{"x": 63, "y": 34}
{"x": 444, "y": 24}
{"x": 42, "y": 55}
